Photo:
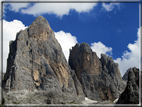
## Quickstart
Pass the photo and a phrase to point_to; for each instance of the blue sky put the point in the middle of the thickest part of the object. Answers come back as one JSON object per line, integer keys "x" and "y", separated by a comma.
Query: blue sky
{"x": 110, "y": 28}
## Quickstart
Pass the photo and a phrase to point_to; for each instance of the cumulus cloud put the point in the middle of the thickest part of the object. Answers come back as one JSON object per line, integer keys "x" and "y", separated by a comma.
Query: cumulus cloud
{"x": 110, "y": 6}
{"x": 9, "y": 33}
{"x": 101, "y": 48}
{"x": 59, "y": 9}
{"x": 17, "y": 6}
{"x": 132, "y": 58}
{"x": 66, "y": 40}
{"x": 39, "y": 8}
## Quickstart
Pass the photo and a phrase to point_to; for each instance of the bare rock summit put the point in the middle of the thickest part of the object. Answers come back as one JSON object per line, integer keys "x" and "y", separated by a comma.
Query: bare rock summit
{"x": 100, "y": 78}
{"x": 37, "y": 65}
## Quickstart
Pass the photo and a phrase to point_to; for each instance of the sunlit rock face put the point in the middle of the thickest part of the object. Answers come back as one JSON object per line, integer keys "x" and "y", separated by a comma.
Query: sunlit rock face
{"x": 100, "y": 78}
{"x": 36, "y": 62}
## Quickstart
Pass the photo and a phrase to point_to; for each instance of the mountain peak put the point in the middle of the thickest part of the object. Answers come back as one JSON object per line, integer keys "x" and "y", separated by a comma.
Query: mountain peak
{"x": 40, "y": 17}
{"x": 40, "y": 20}
{"x": 36, "y": 63}
{"x": 100, "y": 78}
{"x": 39, "y": 29}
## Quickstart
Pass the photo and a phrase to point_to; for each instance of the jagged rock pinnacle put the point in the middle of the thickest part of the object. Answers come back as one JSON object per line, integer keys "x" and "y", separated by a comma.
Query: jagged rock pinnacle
{"x": 36, "y": 62}
{"x": 100, "y": 78}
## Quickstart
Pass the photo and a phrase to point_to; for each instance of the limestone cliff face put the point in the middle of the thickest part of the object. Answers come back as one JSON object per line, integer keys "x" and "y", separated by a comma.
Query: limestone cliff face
{"x": 100, "y": 78}
{"x": 36, "y": 62}
{"x": 131, "y": 92}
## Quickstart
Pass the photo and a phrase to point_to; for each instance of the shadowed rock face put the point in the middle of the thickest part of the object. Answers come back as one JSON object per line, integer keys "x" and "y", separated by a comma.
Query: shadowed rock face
{"x": 131, "y": 92}
{"x": 36, "y": 62}
{"x": 100, "y": 78}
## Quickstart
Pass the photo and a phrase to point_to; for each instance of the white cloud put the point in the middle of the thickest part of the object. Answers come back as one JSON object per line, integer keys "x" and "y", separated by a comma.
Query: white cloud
{"x": 67, "y": 41}
{"x": 101, "y": 48}
{"x": 17, "y": 6}
{"x": 132, "y": 58}
{"x": 9, "y": 33}
{"x": 59, "y": 9}
{"x": 110, "y": 7}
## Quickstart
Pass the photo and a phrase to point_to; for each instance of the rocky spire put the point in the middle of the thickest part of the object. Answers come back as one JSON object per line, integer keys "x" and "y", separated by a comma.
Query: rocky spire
{"x": 100, "y": 78}
{"x": 36, "y": 62}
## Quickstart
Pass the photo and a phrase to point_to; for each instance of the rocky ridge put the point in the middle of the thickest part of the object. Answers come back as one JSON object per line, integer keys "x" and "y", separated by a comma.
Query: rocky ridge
{"x": 37, "y": 64}
{"x": 100, "y": 78}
